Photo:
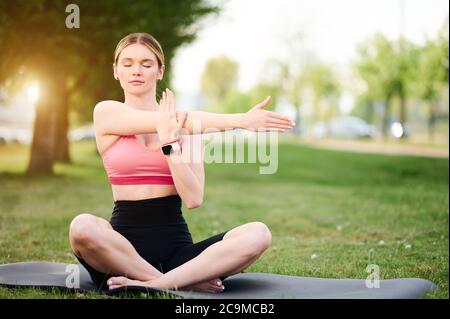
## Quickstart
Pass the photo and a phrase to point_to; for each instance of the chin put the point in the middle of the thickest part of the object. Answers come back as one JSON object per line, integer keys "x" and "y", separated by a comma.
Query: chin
{"x": 138, "y": 90}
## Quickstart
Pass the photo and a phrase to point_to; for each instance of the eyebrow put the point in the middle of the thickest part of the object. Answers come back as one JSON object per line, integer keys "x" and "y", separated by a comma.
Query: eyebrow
{"x": 144, "y": 60}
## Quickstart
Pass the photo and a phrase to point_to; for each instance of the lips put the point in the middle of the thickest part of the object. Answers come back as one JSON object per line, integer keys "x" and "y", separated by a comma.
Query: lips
{"x": 137, "y": 81}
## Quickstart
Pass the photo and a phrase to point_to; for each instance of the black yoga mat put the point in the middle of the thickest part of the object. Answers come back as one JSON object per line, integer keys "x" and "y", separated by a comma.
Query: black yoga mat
{"x": 252, "y": 285}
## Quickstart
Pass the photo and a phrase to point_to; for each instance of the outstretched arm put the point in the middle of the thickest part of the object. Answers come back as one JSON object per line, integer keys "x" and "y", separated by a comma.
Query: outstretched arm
{"x": 116, "y": 118}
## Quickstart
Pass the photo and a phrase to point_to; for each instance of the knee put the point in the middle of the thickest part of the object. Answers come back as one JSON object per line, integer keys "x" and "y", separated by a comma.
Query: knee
{"x": 260, "y": 238}
{"x": 84, "y": 232}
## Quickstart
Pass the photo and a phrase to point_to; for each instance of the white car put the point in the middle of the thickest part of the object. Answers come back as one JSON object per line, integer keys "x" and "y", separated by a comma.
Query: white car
{"x": 15, "y": 135}
{"x": 350, "y": 127}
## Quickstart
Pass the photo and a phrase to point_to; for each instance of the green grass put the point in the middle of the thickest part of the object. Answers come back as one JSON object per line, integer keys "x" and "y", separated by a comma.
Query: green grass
{"x": 337, "y": 205}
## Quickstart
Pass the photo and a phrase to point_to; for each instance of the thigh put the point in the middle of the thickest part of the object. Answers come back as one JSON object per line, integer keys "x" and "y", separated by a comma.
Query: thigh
{"x": 243, "y": 229}
{"x": 85, "y": 222}
{"x": 188, "y": 252}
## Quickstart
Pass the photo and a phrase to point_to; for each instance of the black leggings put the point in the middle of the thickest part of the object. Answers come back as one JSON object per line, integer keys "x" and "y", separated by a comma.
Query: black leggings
{"x": 157, "y": 230}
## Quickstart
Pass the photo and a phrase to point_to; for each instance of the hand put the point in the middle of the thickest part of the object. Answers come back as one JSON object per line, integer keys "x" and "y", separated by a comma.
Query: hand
{"x": 259, "y": 119}
{"x": 169, "y": 126}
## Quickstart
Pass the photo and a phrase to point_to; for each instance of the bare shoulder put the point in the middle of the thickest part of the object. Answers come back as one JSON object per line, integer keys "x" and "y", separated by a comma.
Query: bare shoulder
{"x": 101, "y": 110}
{"x": 106, "y": 106}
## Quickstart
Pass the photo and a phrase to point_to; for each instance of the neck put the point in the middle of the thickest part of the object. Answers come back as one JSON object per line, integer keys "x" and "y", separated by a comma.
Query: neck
{"x": 146, "y": 101}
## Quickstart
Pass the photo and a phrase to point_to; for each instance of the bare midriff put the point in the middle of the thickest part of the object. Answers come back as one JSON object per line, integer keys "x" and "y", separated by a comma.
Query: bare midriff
{"x": 138, "y": 192}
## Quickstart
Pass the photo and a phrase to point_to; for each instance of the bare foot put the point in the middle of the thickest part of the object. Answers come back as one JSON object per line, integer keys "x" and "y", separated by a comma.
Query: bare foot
{"x": 212, "y": 286}
{"x": 116, "y": 282}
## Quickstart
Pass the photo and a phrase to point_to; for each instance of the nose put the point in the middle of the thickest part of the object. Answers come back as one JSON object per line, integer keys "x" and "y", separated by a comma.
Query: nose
{"x": 136, "y": 70}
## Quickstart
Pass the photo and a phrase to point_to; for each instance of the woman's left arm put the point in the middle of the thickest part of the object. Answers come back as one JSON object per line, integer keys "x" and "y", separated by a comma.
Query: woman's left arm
{"x": 187, "y": 170}
{"x": 187, "y": 173}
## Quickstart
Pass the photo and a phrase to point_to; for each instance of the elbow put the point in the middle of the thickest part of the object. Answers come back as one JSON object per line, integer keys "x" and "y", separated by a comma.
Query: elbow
{"x": 194, "y": 202}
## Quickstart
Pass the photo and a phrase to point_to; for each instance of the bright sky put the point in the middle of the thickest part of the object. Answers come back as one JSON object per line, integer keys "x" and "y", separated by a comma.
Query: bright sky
{"x": 252, "y": 31}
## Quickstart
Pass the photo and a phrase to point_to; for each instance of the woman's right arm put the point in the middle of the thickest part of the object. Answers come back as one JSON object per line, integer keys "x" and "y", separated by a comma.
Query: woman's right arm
{"x": 116, "y": 118}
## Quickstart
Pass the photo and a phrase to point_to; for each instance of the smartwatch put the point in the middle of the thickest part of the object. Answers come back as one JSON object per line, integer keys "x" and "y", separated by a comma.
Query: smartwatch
{"x": 170, "y": 148}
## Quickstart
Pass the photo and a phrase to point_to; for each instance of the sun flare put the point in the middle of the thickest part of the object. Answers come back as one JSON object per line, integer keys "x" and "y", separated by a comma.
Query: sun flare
{"x": 33, "y": 93}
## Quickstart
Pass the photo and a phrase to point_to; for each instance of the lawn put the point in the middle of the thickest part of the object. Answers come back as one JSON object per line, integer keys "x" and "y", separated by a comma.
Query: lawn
{"x": 331, "y": 213}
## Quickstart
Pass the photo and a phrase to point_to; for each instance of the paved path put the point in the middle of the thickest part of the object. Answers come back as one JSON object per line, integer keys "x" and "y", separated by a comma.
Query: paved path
{"x": 378, "y": 147}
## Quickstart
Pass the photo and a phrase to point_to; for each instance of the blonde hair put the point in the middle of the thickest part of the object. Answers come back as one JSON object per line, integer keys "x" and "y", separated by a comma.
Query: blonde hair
{"x": 141, "y": 38}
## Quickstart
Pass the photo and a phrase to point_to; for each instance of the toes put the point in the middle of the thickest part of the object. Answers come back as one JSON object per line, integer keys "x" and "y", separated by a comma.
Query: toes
{"x": 215, "y": 282}
{"x": 115, "y": 282}
{"x": 215, "y": 288}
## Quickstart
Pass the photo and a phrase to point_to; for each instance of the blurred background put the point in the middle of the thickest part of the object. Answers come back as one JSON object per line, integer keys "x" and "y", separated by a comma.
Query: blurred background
{"x": 362, "y": 178}
{"x": 365, "y": 75}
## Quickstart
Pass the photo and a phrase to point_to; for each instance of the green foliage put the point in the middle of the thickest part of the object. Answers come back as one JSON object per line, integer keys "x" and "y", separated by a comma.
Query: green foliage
{"x": 261, "y": 90}
{"x": 33, "y": 36}
{"x": 235, "y": 102}
{"x": 433, "y": 67}
{"x": 400, "y": 71}
{"x": 320, "y": 79}
{"x": 219, "y": 78}
{"x": 240, "y": 102}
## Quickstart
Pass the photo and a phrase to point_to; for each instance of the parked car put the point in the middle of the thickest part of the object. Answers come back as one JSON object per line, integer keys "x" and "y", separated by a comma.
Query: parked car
{"x": 344, "y": 127}
{"x": 351, "y": 127}
{"x": 15, "y": 135}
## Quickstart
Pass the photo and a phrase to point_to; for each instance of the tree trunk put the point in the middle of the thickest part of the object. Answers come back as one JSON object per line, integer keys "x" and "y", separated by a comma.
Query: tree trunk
{"x": 403, "y": 118}
{"x": 52, "y": 88}
{"x": 61, "y": 141}
{"x": 386, "y": 115}
{"x": 431, "y": 121}
{"x": 297, "y": 127}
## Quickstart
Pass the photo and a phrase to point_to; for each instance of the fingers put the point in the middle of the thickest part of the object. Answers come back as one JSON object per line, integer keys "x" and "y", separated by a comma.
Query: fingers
{"x": 170, "y": 100}
{"x": 273, "y": 129}
{"x": 280, "y": 118}
{"x": 173, "y": 104}
{"x": 162, "y": 102}
{"x": 182, "y": 119}
{"x": 281, "y": 125}
{"x": 262, "y": 104}
{"x": 285, "y": 122}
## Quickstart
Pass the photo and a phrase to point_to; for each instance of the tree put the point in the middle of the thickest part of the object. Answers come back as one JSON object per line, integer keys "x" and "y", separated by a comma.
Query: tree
{"x": 432, "y": 75}
{"x": 74, "y": 65}
{"x": 323, "y": 84}
{"x": 238, "y": 102}
{"x": 386, "y": 68}
{"x": 287, "y": 72}
{"x": 218, "y": 79}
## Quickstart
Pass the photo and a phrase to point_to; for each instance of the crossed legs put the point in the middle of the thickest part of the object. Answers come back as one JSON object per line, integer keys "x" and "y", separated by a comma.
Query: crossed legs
{"x": 239, "y": 248}
{"x": 93, "y": 239}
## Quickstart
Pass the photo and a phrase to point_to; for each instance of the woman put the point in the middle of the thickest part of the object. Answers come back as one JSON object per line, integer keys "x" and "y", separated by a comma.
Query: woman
{"x": 147, "y": 241}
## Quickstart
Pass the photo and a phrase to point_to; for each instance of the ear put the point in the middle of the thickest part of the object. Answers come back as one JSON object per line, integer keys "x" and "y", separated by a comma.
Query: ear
{"x": 161, "y": 72}
{"x": 116, "y": 77}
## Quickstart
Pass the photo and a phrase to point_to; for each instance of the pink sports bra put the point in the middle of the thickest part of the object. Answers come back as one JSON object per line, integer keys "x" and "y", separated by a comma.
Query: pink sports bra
{"x": 129, "y": 162}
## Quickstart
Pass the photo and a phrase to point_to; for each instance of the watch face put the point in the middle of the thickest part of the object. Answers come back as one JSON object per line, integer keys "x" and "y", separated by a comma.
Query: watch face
{"x": 166, "y": 149}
